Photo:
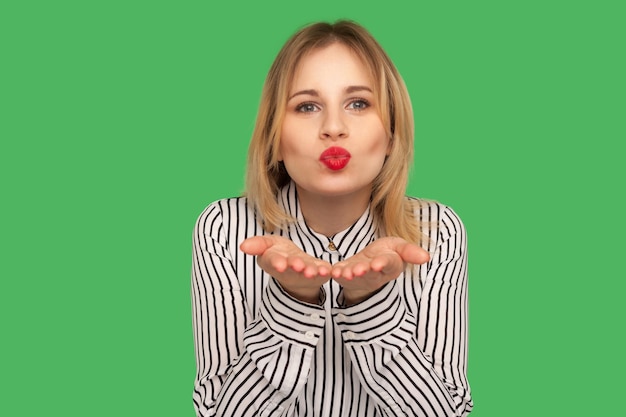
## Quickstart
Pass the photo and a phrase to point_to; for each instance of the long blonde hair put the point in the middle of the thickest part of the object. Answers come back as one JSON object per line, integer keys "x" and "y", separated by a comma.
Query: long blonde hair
{"x": 266, "y": 175}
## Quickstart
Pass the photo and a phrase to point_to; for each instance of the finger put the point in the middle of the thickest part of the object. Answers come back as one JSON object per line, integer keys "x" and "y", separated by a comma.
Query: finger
{"x": 278, "y": 262}
{"x": 256, "y": 245}
{"x": 411, "y": 253}
{"x": 336, "y": 270}
{"x": 360, "y": 269}
{"x": 345, "y": 272}
{"x": 311, "y": 271}
{"x": 323, "y": 270}
{"x": 384, "y": 263}
{"x": 296, "y": 263}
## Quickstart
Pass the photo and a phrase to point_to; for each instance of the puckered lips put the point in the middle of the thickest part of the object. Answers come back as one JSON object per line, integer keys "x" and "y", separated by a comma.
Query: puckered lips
{"x": 335, "y": 158}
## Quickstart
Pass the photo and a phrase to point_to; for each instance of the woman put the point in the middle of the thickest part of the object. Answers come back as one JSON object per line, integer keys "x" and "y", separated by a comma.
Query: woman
{"x": 325, "y": 291}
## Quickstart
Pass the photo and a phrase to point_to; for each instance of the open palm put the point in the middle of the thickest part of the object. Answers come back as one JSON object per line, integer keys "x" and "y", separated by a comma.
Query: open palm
{"x": 298, "y": 273}
{"x": 380, "y": 262}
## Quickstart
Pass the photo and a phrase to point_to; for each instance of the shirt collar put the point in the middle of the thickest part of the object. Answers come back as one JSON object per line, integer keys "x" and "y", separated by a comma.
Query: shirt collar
{"x": 345, "y": 243}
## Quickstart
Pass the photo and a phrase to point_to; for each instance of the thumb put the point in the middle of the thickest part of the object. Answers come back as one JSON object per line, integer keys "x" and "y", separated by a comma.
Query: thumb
{"x": 256, "y": 245}
{"x": 411, "y": 253}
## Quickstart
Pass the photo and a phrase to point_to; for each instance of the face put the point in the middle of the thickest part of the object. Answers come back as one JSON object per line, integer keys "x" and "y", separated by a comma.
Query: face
{"x": 333, "y": 141}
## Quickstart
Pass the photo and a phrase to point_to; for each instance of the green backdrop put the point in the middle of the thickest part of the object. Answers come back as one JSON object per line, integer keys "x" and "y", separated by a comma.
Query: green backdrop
{"x": 121, "y": 120}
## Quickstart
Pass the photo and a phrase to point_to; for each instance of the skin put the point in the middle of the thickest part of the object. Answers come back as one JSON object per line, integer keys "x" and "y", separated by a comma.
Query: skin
{"x": 331, "y": 103}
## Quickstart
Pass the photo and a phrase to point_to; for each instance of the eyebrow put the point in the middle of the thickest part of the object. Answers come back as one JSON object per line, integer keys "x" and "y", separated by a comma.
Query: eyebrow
{"x": 314, "y": 93}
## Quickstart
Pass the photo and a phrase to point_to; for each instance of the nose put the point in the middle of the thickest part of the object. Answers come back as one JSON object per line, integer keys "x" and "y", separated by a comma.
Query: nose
{"x": 334, "y": 125}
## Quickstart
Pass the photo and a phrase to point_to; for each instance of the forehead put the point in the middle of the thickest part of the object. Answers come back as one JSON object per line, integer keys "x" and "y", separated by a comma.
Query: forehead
{"x": 330, "y": 66}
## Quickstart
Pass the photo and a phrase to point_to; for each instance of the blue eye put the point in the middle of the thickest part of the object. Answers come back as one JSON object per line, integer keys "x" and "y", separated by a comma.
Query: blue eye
{"x": 359, "y": 104}
{"x": 306, "y": 107}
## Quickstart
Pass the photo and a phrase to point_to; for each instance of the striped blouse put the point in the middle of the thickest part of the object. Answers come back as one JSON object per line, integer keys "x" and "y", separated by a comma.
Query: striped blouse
{"x": 260, "y": 352}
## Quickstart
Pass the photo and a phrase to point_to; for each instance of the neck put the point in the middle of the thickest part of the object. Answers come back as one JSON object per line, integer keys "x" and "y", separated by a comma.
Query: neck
{"x": 329, "y": 215}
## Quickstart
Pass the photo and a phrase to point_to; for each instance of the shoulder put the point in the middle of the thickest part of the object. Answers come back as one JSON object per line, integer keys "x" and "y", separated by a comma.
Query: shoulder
{"x": 224, "y": 214}
{"x": 437, "y": 221}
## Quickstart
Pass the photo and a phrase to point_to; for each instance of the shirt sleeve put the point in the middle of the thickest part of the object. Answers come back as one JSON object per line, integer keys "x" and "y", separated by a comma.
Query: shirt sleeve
{"x": 414, "y": 363}
{"x": 247, "y": 364}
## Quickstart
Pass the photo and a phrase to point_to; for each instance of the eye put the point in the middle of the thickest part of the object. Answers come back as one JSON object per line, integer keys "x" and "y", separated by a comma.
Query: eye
{"x": 307, "y": 107}
{"x": 358, "y": 104}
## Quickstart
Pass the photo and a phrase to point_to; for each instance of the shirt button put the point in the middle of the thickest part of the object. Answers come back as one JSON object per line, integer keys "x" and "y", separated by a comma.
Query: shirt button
{"x": 349, "y": 335}
{"x": 309, "y": 335}
{"x": 341, "y": 317}
{"x": 315, "y": 316}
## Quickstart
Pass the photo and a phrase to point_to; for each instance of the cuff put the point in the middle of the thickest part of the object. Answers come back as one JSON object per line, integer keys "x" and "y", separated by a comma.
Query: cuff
{"x": 381, "y": 315}
{"x": 290, "y": 319}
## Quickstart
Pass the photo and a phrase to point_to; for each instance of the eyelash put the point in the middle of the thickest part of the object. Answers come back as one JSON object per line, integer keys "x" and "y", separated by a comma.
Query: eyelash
{"x": 360, "y": 100}
{"x": 301, "y": 107}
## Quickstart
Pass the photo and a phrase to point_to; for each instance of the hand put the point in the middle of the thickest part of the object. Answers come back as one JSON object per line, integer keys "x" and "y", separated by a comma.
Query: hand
{"x": 299, "y": 274}
{"x": 383, "y": 260}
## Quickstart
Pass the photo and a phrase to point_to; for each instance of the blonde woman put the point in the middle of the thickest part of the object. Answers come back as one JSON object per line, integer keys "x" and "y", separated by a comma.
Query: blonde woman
{"x": 325, "y": 291}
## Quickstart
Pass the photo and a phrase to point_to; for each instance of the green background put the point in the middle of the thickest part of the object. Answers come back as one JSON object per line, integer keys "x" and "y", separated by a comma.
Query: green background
{"x": 121, "y": 120}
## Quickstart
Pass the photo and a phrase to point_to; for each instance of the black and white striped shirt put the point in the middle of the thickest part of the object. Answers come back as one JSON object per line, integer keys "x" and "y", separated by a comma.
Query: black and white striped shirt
{"x": 259, "y": 352}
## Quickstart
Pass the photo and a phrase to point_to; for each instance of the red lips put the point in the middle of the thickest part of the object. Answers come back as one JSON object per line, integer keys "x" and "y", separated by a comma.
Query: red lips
{"x": 335, "y": 158}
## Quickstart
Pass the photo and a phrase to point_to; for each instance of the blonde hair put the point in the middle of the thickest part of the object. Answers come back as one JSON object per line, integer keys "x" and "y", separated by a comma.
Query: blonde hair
{"x": 266, "y": 175}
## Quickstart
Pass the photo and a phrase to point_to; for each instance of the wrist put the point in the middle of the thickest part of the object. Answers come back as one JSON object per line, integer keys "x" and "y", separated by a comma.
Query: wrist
{"x": 312, "y": 296}
{"x": 352, "y": 297}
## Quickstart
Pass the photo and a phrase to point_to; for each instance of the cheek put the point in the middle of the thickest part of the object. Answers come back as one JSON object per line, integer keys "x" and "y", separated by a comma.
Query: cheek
{"x": 284, "y": 147}
{"x": 287, "y": 148}
{"x": 380, "y": 143}
{"x": 285, "y": 140}
{"x": 295, "y": 139}
{"x": 374, "y": 130}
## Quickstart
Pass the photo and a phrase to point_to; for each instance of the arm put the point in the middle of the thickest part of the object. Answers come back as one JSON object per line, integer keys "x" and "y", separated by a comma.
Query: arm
{"x": 245, "y": 366}
{"x": 413, "y": 363}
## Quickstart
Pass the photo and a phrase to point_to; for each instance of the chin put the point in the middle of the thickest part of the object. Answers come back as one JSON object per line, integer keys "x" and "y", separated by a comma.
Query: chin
{"x": 339, "y": 189}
